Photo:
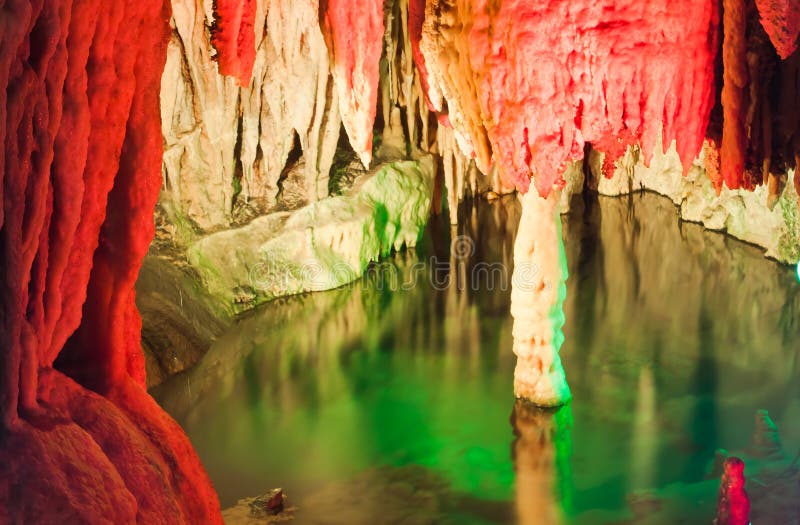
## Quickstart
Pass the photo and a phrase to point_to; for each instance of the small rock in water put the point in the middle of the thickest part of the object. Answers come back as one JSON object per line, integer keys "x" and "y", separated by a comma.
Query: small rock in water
{"x": 268, "y": 504}
{"x": 766, "y": 440}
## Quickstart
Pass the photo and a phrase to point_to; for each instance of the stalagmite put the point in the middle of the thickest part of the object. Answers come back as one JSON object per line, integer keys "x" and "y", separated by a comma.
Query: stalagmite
{"x": 766, "y": 441}
{"x": 537, "y": 298}
{"x": 733, "y": 504}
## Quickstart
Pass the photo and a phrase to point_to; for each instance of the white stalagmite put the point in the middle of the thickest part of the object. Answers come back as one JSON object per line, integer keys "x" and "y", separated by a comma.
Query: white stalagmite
{"x": 537, "y": 299}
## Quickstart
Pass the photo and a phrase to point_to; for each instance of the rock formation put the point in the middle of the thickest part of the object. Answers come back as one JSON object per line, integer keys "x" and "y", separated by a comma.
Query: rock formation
{"x": 524, "y": 93}
{"x": 742, "y": 213}
{"x": 733, "y": 505}
{"x": 518, "y": 90}
{"x": 781, "y": 19}
{"x": 226, "y": 144}
{"x": 321, "y": 246}
{"x": 82, "y": 441}
{"x": 766, "y": 443}
{"x": 354, "y": 34}
{"x": 538, "y": 290}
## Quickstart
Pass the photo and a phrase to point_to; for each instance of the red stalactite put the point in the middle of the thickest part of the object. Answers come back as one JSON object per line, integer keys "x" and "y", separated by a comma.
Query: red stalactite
{"x": 353, "y": 32}
{"x": 781, "y": 20}
{"x": 550, "y": 76}
{"x": 416, "y": 18}
{"x": 80, "y": 161}
{"x": 234, "y": 38}
{"x": 734, "y": 104}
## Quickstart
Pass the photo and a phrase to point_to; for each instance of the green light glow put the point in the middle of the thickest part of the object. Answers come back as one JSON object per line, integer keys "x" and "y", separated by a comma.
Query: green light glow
{"x": 798, "y": 271}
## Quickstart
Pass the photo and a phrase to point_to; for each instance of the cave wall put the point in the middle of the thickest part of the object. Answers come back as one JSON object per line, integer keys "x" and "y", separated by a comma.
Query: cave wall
{"x": 80, "y": 439}
{"x": 514, "y": 97}
{"x": 227, "y": 138}
{"x": 320, "y": 71}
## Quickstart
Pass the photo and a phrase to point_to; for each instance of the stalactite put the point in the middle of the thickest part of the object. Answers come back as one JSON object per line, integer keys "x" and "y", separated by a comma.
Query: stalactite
{"x": 781, "y": 19}
{"x": 734, "y": 91}
{"x": 416, "y": 19}
{"x": 454, "y": 165}
{"x": 538, "y": 290}
{"x": 233, "y": 36}
{"x": 512, "y": 80}
{"x": 354, "y": 34}
{"x": 759, "y": 99}
{"x": 226, "y": 145}
{"x": 80, "y": 166}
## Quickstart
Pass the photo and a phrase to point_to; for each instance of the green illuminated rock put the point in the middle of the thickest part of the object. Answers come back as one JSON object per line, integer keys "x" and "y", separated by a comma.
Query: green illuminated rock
{"x": 322, "y": 246}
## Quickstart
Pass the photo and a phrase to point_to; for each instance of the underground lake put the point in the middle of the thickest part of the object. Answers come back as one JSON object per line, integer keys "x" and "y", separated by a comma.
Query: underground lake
{"x": 388, "y": 400}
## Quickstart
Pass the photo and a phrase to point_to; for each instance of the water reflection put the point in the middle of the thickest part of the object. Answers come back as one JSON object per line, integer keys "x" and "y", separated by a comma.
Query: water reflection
{"x": 541, "y": 453}
{"x": 674, "y": 337}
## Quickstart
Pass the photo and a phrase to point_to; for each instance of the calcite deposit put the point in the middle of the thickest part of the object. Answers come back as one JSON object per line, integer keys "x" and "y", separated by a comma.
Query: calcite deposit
{"x": 82, "y": 441}
{"x": 741, "y": 213}
{"x": 538, "y": 290}
{"x": 733, "y": 505}
{"x": 526, "y": 84}
{"x": 321, "y": 246}
{"x": 226, "y": 144}
{"x": 781, "y": 20}
{"x": 354, "y": 33}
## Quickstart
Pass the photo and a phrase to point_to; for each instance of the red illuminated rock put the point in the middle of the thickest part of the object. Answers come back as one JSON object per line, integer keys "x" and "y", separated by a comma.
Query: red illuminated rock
{"x": 528, "y": 83}
{"x": 354, "y": 33}
{"x": 735, "y": 83}
{"x": 733, "y": 505}
{"x": 234, "y": 37}
{"x": 80, "y": 167}
{"x": 416, "y": 19}
{"x": 781, "y": 20}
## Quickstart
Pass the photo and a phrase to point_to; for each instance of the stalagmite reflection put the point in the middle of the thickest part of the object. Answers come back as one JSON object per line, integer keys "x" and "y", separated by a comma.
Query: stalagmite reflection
{"x": 538, "y": 290}
{"x": 541, "y": 452}
{"x": 644, "y": 445}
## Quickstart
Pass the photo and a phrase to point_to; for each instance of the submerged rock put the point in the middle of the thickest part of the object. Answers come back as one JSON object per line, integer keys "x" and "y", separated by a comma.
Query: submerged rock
{"x": 766, "y": 440}
{"x": 268, "y": 505}
{"x": 321, "y": 246}
{"x": 733, "y": 505}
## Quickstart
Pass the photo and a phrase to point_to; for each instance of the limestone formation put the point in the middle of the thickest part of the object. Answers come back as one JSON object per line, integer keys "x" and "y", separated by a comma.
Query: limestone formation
{"x": 538, "y": 290}
{"x": 226, "y": 145}
{"x": 82, "y": 441}
{"x": 741, "y": 213}
{"x": 322, "y": 246}
{"x": 523, "y": 93}
{"x": 766, "y": 443}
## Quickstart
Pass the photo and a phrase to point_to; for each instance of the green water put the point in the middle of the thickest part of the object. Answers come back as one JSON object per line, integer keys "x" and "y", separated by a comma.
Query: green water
{"x": 383, "y": 402}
